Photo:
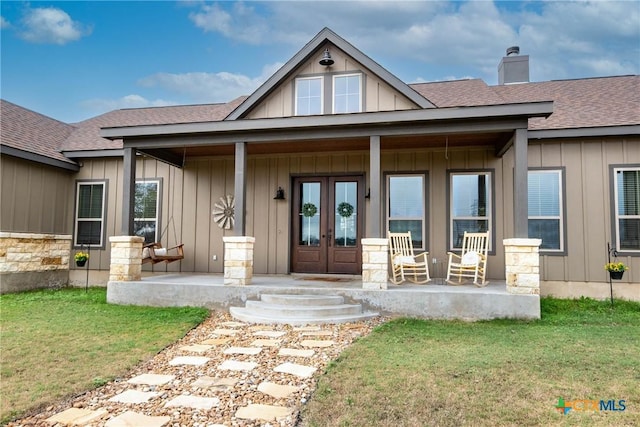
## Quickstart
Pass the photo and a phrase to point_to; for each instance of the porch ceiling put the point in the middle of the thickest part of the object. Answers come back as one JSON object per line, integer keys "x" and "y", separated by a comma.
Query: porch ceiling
{"x": 495, "y": 139}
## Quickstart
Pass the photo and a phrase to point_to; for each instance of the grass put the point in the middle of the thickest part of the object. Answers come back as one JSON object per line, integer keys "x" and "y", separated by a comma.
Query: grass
{"x": 499, "y": 373}
{"x": 58, "y": 343}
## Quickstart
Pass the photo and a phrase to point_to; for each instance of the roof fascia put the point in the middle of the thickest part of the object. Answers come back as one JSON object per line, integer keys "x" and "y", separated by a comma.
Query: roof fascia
{"x": 305, "y": 53}
{"x": 584, "y": 132}
{"x": 503, "y": 111}
{"x": 86, "y": 154}
{"x": 38, "y": 158}
{"x": 314, "y": 133}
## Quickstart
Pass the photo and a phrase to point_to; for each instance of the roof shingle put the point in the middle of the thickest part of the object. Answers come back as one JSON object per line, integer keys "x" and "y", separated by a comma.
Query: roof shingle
{"x": 32, "y": 132}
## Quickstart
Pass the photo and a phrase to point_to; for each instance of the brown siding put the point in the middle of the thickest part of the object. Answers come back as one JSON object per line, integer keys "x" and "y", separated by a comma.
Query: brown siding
{"x": 189, "y": 196}
{"x": 588, "y": 204}
{"x": 34, "y": 197}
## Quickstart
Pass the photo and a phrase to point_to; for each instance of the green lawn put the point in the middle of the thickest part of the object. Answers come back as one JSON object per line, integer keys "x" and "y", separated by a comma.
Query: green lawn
{"x": 56, "y": 343}
{"x": 498, "y": 373}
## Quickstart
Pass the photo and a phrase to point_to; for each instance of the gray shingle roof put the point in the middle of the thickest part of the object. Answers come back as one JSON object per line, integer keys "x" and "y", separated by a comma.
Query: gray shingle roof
{"x": 32, "y": 132}
{"x": 86, "y": 136}
{"x": 580, "y": 103}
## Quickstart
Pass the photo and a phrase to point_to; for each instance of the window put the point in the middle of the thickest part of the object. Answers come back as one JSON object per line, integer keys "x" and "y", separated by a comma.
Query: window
{"x": 406, "y": 206}
{"x": 469, "y": 205}
{"x": 347, "y": 91}
{"x": 546, "y": 216}
{"x": 627, "y": 208}
{"x": 146, "y": 209}
{"x": 309, "y": 94}
{"x": 89, "y": 224}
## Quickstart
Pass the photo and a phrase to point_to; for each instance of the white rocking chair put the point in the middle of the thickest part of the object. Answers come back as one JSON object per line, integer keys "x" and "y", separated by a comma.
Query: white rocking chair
{"x": 405, "y": 265}
{"x": 472, "y": 261}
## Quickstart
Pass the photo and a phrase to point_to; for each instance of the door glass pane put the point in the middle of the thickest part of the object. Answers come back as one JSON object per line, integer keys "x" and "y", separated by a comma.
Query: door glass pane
{"x": 346, "y": 213}
{"x": 309, "y": 214}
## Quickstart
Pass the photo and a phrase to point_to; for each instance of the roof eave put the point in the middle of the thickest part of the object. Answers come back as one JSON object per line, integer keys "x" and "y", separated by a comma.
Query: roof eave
{"x": 583, "y": 132}
{"x": 85, "y": 154}
{"x": 528, "y": 110}
{"x": 38, "y": 158}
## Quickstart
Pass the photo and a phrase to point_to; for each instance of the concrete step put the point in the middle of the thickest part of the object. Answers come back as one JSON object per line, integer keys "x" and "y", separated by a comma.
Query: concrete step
{"x": 298, "y": 300}
{"x": 245, "y": 315}
{"x": 288, "y": 310}
{"x": 300, "y": 310}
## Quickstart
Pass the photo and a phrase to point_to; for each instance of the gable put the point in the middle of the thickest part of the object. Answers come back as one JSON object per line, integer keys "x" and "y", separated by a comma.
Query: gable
{"x": 376, "y": 94}
{"x": 380, "y": 90}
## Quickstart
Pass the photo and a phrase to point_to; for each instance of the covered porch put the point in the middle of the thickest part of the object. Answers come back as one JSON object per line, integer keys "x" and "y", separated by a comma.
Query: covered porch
{"x": 435, "y": 300}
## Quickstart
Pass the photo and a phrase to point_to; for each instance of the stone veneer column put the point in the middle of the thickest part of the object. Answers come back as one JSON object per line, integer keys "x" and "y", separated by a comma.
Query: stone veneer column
{"x": 126, "y": 258}
{"x": 375, "y": 263}
{"x": 522, "y": 265}
{"x": 238, "y": 260}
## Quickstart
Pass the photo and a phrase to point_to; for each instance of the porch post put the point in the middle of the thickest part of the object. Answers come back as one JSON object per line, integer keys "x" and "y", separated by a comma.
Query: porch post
{"x": 375, "y": 222}
{"x": 128, "y": 191}
{"x": 240, "y": 188}
{"x": 520, "y": 185}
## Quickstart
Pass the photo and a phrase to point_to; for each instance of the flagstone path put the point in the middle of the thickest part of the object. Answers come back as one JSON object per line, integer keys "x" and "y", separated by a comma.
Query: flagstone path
{"x": 222, "y": 373}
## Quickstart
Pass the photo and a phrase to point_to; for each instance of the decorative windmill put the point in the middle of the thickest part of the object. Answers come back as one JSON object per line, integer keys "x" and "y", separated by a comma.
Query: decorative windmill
{"x": 223, "y": 212}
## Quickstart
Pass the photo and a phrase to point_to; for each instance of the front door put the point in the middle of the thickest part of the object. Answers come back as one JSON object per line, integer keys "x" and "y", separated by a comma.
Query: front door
{"x": 327, "y": 224}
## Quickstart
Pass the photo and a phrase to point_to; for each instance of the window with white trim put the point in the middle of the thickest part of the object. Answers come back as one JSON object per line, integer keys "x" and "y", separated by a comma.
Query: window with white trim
{"x": 309, "y": 96}
{"x": 406, "y": 206}
{"x": 546, "y": 216}
{"x": 627, "y": 208}
{"x": 469, "y": 205}
{"x": 146, "y": 210}
{"x": 347, "y": 93}
{"x": 90, "y": 212}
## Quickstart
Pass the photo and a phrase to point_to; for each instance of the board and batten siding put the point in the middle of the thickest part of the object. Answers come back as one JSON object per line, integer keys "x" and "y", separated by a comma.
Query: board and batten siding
{"x": 34, "y": 197}
{"x": 588, "y": 205}
{"x": 189, "y": 196}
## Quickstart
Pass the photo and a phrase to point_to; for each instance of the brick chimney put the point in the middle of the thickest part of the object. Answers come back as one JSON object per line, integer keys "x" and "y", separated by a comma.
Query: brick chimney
{"x": 513, "y": 68}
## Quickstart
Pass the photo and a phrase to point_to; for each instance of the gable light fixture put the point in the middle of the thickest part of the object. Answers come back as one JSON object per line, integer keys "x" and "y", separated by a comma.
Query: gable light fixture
{"x": 326, "y": 59}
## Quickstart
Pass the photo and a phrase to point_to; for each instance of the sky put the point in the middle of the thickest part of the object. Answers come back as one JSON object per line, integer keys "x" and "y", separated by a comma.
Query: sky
{"x": 73, "y": 60}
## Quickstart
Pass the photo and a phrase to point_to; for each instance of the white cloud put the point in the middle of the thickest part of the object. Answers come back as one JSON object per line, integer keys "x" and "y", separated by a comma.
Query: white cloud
{"x": 241, "y": 24}
{"x": 51, "y": 25}
{"x": 209, "y": 87}
{"x": 4, "y": 23}
{"x": 564, "y": 39}
{"x": 129, "y": 101}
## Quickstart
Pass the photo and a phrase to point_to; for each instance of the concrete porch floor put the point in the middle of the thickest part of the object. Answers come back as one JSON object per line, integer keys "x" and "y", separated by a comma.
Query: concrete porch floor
{"x": 435, "y": 300}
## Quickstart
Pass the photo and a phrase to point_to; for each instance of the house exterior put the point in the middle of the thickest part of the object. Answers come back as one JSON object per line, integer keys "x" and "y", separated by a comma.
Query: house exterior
{"x": 331, "y": 151}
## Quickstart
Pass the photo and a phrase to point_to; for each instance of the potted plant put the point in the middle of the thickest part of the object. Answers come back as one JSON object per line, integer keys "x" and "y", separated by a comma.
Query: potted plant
{"x": 81, "y": 258}
{"x": 616, "y": 269}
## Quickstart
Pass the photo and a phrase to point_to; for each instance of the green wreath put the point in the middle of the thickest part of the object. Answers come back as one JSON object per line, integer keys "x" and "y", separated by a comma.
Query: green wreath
{"x": 345, "y": 209}
{"x": 309, "y": 210}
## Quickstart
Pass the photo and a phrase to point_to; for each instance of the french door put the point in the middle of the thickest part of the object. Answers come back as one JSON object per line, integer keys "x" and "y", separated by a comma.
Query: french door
{"x": 328, "y": 218}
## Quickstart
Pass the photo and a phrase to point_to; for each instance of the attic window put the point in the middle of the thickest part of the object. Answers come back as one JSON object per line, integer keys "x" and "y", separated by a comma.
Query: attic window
{"x": 309, "y": 96}
{"x": 347, "y": 93}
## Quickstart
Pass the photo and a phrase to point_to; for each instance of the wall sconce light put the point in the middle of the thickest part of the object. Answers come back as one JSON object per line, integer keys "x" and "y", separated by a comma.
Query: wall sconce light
{"x": 368, "y": 195}
{"x": 326, "y": 59}
{"x": 279, "y": 194}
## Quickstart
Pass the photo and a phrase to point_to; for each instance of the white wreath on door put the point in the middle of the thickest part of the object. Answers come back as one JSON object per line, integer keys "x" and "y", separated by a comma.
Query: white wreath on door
{"x": 223, "y": 212}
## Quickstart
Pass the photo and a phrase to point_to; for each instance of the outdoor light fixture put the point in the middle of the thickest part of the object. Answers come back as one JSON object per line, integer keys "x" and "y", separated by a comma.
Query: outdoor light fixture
{"x": 279, "y": 194}
{"x": 326, "y": 59}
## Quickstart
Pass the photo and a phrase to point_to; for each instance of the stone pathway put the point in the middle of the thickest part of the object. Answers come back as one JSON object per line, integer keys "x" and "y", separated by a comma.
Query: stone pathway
{"x": 223, "y": 373}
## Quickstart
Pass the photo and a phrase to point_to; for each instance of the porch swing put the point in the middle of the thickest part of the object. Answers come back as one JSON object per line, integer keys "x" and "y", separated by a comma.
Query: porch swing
{"x": 155, "y": 253}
